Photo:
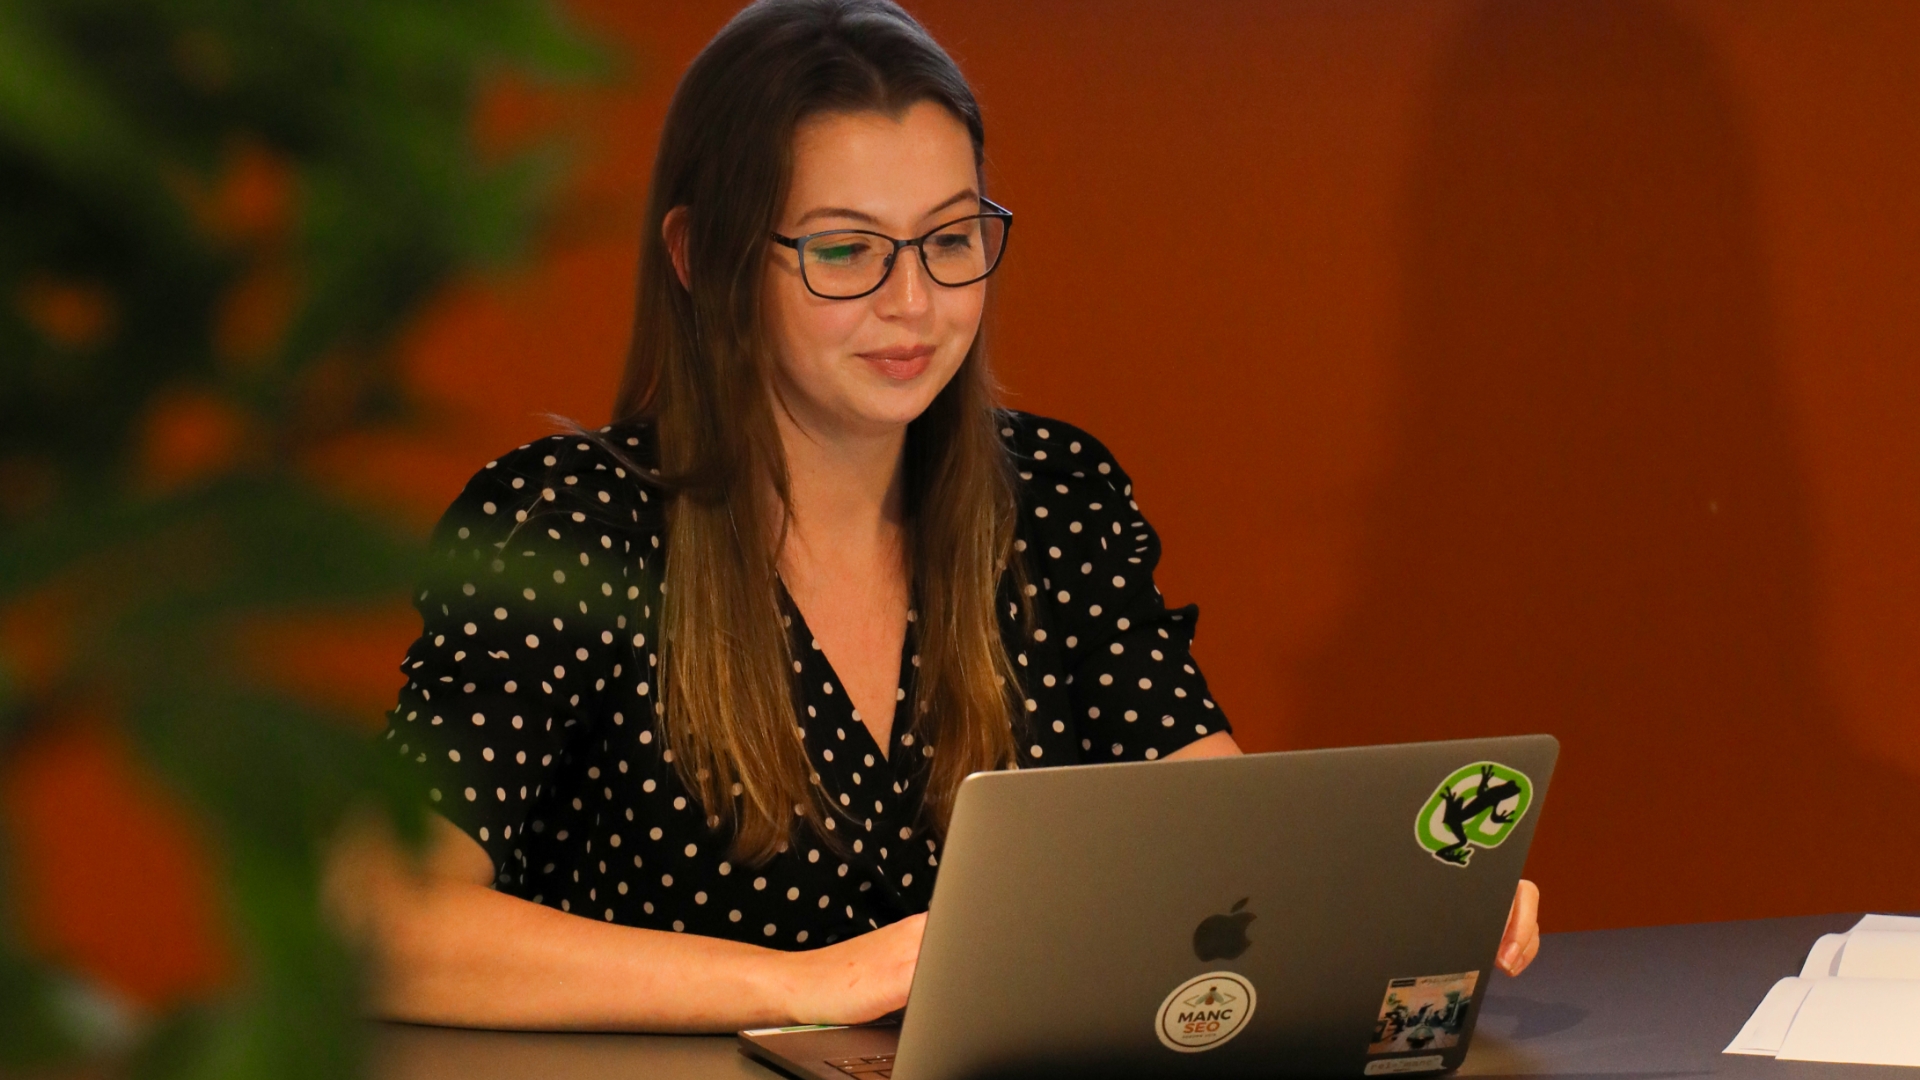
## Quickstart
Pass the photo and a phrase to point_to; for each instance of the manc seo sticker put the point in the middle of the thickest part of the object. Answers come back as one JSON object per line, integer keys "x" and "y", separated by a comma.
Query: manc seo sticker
{"x": 1205, "y": 1011}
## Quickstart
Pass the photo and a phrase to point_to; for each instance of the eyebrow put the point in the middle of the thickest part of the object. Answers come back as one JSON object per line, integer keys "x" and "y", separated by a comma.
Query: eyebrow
{"x": 869, "y": 219}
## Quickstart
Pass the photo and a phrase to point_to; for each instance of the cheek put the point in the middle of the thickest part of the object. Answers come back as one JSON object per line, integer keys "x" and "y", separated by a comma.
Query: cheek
{"x": 806, "y": 330}
{"x": 961, "y": 316}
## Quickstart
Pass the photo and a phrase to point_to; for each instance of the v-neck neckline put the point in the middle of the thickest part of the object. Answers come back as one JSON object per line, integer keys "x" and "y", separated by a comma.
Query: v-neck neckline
{"x": 802, "y": 636}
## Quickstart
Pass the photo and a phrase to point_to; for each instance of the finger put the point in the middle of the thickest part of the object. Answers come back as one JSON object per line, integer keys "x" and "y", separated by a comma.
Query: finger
{"x": 1526, "y": 904}
{"x": 1521, "y": 923}
{"x": 1521, "y": 941}
{"x": 1524, "y": 912}
{"x": 1528, "y": 950}
{"x": 1519, "y": 949}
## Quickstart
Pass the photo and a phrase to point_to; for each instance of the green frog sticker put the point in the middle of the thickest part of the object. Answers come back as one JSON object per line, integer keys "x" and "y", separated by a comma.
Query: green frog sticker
{"x": 1476, "y": 807}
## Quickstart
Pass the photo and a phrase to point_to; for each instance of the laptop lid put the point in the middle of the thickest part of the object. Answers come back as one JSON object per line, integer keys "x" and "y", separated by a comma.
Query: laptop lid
{"x": 1327, "y": 912}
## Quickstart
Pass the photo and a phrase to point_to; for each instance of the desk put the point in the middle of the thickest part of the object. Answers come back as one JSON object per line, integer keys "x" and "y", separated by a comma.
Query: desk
{"x": 1648, "y": 1003}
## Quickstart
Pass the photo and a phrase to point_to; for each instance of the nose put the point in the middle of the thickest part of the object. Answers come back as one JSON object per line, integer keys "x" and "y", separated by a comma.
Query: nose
{"x": 906, "y": 293}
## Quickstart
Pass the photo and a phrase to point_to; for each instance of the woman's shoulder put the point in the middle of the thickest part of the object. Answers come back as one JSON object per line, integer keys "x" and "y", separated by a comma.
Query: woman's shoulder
{"x": 1050, "y": 453}
{"x": 602, "y": 478}
{"x": 1074, "y": 497}
{"x": 626, "y": 453}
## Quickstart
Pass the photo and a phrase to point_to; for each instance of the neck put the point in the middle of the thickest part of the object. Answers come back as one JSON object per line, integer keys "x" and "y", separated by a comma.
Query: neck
{"x": 848, "y": 491}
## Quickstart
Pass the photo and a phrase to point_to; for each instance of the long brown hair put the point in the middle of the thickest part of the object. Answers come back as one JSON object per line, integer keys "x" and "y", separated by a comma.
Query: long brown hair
{"x": 700, "y": 373}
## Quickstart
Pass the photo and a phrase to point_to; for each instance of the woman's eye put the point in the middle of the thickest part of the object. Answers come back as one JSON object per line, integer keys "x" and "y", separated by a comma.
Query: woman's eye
{"x": 953, "y": 245}
{"x": 839, "y": 251}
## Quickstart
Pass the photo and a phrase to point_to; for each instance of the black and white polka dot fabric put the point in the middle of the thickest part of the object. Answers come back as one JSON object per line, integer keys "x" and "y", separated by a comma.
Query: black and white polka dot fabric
{"x": 532, "y": 692}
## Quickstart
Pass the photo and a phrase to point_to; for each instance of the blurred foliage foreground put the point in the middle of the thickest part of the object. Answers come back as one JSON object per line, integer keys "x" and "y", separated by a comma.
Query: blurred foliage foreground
{"x": 236, "y": 204}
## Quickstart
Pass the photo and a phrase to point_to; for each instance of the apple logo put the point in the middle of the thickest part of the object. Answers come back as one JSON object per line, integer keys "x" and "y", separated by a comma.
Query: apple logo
{"x": 1223, "y": 937}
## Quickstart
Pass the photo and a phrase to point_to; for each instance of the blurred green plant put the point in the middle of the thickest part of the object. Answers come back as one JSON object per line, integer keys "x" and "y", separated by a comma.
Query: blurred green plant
{"x": 237, "y": 204}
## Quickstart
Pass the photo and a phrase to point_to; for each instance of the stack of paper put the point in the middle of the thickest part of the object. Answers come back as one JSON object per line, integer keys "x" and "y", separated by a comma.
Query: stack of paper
{"x": 1856, "y": 1000}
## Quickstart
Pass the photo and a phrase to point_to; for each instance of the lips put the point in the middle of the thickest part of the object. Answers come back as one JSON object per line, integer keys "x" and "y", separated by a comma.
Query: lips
{"x": 900, "y": 362}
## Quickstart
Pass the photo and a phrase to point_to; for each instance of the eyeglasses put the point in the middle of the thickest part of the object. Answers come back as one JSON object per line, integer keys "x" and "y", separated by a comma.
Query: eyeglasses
{"x": 846, "y": 264}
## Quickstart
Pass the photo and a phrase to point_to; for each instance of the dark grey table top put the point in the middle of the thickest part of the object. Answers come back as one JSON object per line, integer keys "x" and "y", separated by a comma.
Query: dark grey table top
{"x": 1651, "y": 1003}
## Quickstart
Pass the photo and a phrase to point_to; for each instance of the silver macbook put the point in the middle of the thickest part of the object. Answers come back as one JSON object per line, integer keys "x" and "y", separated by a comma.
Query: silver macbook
{"x": 1324, "y": 912}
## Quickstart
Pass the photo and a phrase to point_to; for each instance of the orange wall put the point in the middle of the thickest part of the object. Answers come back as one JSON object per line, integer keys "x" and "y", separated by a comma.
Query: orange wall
{"x": 1488, "y": 367}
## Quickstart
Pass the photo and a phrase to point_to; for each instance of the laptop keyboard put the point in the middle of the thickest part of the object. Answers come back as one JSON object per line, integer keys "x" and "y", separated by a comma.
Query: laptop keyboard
{"x": 866, "y": 1068}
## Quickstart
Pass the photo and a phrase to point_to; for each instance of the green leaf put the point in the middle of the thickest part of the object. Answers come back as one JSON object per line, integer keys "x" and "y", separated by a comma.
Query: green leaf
{"x": 119, "y": 120}
{"x": 34, "y": 1029}
{"x": 48, "y": 103}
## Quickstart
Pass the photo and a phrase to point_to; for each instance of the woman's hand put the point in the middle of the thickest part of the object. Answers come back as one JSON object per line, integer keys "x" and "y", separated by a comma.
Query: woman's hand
{"x": 856, "y": 980}
{"x": 1521, "y": 943}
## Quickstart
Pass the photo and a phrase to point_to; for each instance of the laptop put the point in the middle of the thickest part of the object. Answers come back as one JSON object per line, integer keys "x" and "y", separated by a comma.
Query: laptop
{"x": 1323, "y": 913}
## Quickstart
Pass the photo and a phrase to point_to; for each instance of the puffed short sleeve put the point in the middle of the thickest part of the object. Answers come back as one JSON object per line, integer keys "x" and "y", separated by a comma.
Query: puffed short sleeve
{"x": 1136, "y": 692}
{"x": 524, "y": 628}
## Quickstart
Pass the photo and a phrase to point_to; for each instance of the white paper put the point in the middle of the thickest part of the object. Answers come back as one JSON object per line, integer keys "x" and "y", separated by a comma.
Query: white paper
{"x": 1857, "y": 999}
{"x": 1824, "y": 958}
{"x": 1857, "y": 1021}
{"x": 1767, "y": 1028}
{"x": 1881, "y": 954}
{"x": 1907, "y": 923}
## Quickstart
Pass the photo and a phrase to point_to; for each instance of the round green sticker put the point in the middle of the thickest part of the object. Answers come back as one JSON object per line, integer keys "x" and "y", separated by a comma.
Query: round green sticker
{"x": 1477, "y": 806}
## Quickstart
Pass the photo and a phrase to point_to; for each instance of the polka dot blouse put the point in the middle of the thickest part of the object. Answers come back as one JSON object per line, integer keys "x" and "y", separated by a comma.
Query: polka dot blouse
{"x": 531, "y": 694}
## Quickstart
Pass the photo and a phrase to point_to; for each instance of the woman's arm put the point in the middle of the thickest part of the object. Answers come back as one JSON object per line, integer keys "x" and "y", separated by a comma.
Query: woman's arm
{"x": 450, "y": 950}
{"x": 1518, "y": 946}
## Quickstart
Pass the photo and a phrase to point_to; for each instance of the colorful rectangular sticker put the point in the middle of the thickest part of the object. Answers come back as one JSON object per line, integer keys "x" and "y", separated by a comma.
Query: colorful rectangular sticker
{"x": 1424, "y": 1013}
{"x": 1398, "y": 1066}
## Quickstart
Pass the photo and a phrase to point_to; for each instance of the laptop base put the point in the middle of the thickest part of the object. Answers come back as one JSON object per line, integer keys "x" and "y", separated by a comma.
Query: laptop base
{"x": 863, "y": 1052}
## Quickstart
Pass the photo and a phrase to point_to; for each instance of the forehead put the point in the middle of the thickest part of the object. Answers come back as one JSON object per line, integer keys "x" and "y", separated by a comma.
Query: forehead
{"x": 892, "y": 167}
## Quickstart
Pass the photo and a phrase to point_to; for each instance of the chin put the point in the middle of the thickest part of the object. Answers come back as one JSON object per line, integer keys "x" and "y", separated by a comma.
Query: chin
{"x": 863, "y": 402}
{"x": 895, "y": 404}
{"x": 890, "y": 412}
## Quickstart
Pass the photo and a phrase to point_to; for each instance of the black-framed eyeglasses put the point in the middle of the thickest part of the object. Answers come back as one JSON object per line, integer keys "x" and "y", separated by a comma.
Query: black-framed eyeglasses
{"x": 847, "y": 264}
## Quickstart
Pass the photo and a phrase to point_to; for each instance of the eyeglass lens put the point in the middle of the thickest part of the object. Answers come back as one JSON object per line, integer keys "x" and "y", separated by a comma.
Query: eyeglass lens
{"x": 849, "y": 264}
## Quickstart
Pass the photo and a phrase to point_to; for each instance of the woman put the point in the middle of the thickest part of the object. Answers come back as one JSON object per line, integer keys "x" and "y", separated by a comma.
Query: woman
{"x": 694, "y": 692}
